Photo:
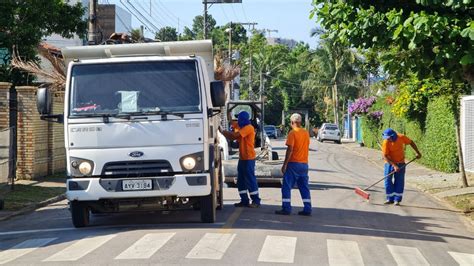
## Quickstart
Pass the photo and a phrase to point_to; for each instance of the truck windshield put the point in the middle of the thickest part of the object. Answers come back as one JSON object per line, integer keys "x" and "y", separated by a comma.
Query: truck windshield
{"x": 135, "y": 87}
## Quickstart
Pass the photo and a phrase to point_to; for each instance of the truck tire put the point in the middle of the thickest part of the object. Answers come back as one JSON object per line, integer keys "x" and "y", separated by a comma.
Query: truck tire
{"x": 80, "y": 214}
{"x": 208, "y": 207}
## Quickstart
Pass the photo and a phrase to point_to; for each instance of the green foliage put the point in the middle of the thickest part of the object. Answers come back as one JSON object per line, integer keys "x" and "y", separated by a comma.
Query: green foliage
{"x": 439, "y": 142}
{"x": 167, "y": 34}
{"x": 24, "y": 23}
{"x": 429, "y": 38}
{"x": 434, "y": 136}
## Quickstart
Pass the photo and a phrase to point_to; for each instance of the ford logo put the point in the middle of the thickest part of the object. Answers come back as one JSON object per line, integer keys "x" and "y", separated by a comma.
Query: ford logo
{"x": 136, "y": 154}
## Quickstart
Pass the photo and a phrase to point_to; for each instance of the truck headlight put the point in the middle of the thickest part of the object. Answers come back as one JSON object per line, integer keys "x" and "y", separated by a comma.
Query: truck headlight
{"x": 192, "y": 162}
{"x": 189, "y": 163}
{"x": 81, "y": 167}
{"x": 85, "y": 168}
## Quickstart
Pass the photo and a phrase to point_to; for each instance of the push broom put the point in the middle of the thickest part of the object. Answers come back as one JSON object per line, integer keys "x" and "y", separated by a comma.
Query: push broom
{"x": 366, "y": 195}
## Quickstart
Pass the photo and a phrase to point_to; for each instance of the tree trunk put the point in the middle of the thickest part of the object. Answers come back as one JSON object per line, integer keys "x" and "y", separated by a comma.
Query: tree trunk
{"x": 335, "y": 104}
{"x": 460, "y": 154}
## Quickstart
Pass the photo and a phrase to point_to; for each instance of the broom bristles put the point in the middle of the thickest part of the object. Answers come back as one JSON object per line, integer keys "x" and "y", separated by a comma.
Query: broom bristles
{"x": 362, "y": 193}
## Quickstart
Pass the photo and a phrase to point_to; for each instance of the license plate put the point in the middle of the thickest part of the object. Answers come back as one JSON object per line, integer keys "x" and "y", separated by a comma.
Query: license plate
{"x": 136, "y": 185}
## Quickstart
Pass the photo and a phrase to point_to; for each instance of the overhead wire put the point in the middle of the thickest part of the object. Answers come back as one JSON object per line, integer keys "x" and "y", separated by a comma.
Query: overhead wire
{"x": 127, "y": 27}
{"x": 165, "y": 8}
{"x": 146, "y": 13}
{"x": 149, "y": 24}
{"x": 160, "y": 17}
{"x": 235, "y": 14}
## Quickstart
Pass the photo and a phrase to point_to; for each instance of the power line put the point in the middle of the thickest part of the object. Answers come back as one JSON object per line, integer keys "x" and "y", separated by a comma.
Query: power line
{"x": 235, "y": 14}
{"x": 245, "y": 13}
{"x": 133, "y": 14}
{"x": 141, "y": 15}
{"x": 225, "y": 14}
{"x": 171, "y": 13}
{"x": 158, "y": 15}
{"x": 151, "y": 18}
{"x": 118, "y": 16}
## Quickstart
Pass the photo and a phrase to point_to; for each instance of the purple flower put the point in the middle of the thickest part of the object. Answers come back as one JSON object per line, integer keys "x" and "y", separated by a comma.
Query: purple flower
{"x": 361, "y": 105}
{"x": 377, "y": 115}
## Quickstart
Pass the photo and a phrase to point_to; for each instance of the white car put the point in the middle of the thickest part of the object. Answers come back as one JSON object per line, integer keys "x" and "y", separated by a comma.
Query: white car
{"x": 329, "y": 132}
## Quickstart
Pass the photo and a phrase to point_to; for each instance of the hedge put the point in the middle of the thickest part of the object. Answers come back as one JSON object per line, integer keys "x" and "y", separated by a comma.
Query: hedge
{"x": 435, "y": 136}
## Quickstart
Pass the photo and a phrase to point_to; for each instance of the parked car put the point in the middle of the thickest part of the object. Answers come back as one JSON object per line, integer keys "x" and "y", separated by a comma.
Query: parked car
{"x": 271, "y": 131}
{"x": 329, "y": 131}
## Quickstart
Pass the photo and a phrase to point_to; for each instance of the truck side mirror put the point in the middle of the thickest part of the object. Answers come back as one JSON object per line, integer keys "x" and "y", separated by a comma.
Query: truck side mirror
{"x": 217, "y": 93}
{"x": 43, "y": 101}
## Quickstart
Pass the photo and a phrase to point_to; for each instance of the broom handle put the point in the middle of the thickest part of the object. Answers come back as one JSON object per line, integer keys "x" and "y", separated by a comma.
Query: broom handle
{"x": 391, "y": 173}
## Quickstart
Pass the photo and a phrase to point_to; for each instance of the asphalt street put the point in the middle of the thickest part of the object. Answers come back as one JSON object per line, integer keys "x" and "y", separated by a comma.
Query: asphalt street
{"x": 344, "y": 229}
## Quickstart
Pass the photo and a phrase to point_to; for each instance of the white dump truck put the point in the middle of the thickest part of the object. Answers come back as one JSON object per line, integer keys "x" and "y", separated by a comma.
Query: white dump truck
{"x": 140, "y": 128}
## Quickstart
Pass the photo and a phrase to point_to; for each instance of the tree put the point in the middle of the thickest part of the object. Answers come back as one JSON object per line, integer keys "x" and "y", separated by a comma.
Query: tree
{"x": 24, "y": 23}
{"x": 427, "y": 38}
{"x": 136, "y": 35}
{"x": 167, "y": 34}
{"x": 198, "y": 26}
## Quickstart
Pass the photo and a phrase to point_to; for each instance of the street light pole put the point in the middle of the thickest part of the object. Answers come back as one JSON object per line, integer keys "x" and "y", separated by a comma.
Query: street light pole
{"x": 92, "y": 34}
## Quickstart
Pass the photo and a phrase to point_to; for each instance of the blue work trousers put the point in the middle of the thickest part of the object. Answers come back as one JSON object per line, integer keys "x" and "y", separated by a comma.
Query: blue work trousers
{"x": 296, "y": 173}
{"x": 247, "y": 182}
{"x": 394, "y": 184}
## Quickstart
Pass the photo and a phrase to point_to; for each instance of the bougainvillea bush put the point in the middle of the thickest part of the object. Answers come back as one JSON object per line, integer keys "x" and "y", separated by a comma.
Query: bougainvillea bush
{"x": 361, "y": 106}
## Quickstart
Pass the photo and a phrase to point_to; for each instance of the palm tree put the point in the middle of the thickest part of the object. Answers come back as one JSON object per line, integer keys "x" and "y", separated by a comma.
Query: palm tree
{"x": 333, "y": 68}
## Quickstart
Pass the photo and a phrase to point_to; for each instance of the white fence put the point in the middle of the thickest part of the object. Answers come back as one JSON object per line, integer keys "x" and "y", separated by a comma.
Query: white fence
{"x": 467, "y": 131}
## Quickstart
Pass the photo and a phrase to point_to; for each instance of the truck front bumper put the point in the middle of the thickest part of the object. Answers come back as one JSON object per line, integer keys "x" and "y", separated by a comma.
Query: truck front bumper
{"x": 183, "y": 186}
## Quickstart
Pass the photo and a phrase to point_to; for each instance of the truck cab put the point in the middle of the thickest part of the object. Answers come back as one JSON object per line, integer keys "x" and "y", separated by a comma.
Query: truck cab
{"x": 140, "y": 127}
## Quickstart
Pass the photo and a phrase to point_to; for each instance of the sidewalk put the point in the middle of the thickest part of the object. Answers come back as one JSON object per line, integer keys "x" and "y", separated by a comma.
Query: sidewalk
{"x": 48, "y": 191}
{"x": 443, "y": 186}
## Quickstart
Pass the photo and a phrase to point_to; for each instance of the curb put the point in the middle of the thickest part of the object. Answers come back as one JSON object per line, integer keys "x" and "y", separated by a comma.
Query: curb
{"x": 34, "y": 207}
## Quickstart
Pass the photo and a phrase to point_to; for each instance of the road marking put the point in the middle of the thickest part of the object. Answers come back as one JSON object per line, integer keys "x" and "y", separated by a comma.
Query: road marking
{"x": 23, "y": 248}
{"x": 211, "y": 246}
{"x": 36, "y": 231}
{"x": 407, "y": 255}
{"x": 341, "y": 252}
{"x": 80, "y": 248}
{"x": 278, "y": 249}
{"x": 462, "y": 258}
{"x": 146, "y": 246}
{"x": 226, "y": 228}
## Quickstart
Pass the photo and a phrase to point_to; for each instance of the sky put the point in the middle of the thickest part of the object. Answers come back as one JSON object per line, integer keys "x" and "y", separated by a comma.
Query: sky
{"x": 289, "y": 17}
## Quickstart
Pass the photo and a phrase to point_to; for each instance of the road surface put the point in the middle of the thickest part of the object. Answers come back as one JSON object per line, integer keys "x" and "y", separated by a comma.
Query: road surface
{"x": 344, "y": 228}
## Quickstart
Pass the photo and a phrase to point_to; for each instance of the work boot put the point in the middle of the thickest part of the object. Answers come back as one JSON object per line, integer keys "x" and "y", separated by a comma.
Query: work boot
{"x": 254, "y": 205}
{"x": 241, "y": 204}
{"x": 397, "y": 203}
{"x": 303, "y": 213}
{"x": 387, "y": 202}
{"x": 282, "y": 212}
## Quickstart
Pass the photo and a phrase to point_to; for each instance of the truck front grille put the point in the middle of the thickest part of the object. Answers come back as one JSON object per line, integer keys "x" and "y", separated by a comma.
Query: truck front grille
{"x": 137, "y": 169}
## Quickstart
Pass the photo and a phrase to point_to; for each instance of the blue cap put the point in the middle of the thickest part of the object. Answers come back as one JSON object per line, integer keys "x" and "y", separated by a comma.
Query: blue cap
{"x": 243, "y": 119}
{"x": 389, "y": 133}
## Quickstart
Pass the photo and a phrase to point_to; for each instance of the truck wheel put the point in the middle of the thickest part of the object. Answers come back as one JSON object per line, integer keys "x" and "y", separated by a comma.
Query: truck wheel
{"x": 80, "y": 214}
{"x": 208, "y": 207}
{"x": 220, "y": 195}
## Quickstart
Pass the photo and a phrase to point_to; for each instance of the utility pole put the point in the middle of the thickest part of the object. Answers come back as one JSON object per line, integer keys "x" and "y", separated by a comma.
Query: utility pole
{"x": 270, "y": 32}
{"x": 211, "y": 2}
{"x": 205, "y": 19}
{"x": 250, "y": 24}
{"x": 92, "y": 36}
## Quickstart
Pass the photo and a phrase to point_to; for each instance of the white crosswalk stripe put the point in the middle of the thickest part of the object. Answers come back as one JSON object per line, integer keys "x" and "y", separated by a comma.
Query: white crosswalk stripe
{"x": 80, "y": 248}
{"x": 407, "y": 255}
{"x": 214, "y": 246}
{"x": 278, "y": 249}
{"x": 341, "y": 252}
{"x": 146, "y": 246}
{"x": 463, "y": 259}
{"x": 211, "y": 246}
{"x": 23, "y": 248}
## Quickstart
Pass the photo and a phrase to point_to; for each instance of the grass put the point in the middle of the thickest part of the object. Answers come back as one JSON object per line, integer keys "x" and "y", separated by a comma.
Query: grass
{"x": 464, "y": 203}
{"x": 25, "y": 195}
